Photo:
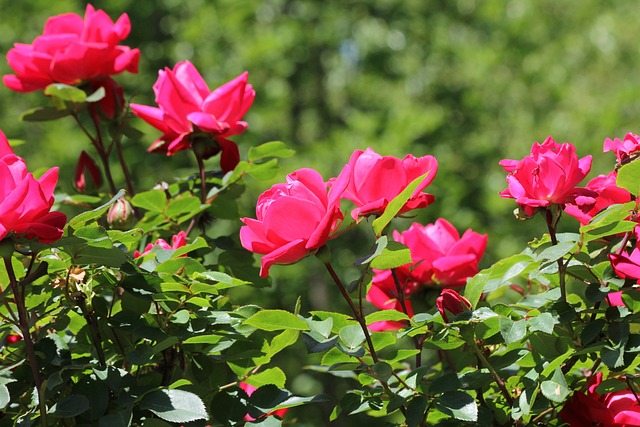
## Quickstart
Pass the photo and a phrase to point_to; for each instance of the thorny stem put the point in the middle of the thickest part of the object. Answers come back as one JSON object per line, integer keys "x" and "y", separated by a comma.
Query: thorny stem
{"x": 417, "y": 342}
{"x": 551, "y": 225}
{"x": 496, "y": 377}
{"x": 123, "y": 165}
{"x": 357, "y": 314}
{"x": 23, "y": 325}
{"x": 203, "y": 176}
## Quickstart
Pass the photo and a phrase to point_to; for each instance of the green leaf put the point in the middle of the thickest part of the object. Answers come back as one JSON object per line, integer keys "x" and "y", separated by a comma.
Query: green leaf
{"x": 97, "y": 95}
{"x": 459, "y": 405}
{"x": 352, "y": 336}
{"x": 43, "y": 114}
{"x": 276, "y": 320}
{"x": 393, "y": 255}
{"x": 543, "y": 322}
{"x": 380, "y": 244}
{"x": 512, "y": 331}
{"x": 415, "y": 411}
{"x": 5, "y": 398}
{"x": 281, "y": 341}
{"x": 396, "y": 205}
{"x": 83, "y": 218}
{"x": 386, "y": 316}
{"x": 203, "y": 339}
{"x": 119, "y": 419}
{"x": 263, "y": 171}
{"x": 186, "y": 204}
{"x": 629, "y": 178}
{"x": 65, "y": 92}
{"x": 270, "y": 149}
{"x": 555, "y": 389}
{"x": 266, "y": 422}
{"x": 273, "y": 376}
{"x": 70, "y": 406}
{"x": 153, "y": 200}
{"x": 176, "y": 406}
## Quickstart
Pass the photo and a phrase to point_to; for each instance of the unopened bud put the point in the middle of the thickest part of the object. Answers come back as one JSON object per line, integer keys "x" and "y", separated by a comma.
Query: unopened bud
{"x": 121, "y": 215}
{"x": 88, "y": 177}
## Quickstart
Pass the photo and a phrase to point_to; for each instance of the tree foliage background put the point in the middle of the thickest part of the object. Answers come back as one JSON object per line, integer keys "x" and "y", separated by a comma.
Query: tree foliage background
{"x": 471, "y": 82}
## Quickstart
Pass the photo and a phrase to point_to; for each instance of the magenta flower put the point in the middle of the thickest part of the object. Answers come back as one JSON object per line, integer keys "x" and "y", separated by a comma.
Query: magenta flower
{"x": 25, "y": 202}
{"x": 375, "y": 180}
{"x": 72, "y": 50}
{"x": 440, "y": 255}
{"x": 189, "y": 113}
{"x": 547, "y": 176}
{"x": 619, "y": 408}
{"x": 623, "y": 149}
{"x": 293, "y": 219}
{"x": 608, "y": 193}
{"x": 626, "y": 265}
{"x": 177, "y": 241}
{"x": 451, "y": 302}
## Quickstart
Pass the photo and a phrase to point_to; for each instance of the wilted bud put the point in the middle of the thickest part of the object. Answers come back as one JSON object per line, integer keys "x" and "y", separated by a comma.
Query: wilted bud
{"x": 88, "y": 177}
{"x": 121, "y": 215}
{"x": 451, "y": 302}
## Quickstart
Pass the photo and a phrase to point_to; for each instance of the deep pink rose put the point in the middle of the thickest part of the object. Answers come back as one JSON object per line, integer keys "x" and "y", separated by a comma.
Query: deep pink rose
{"x": 623, "y": 149}
{"x": 177, "y": 241}
{"x": 189, "y": 113}
{"x": 72, "y": 50}
{"x": 608, "y": 193}
{"x": 249, "y": 389}
{"x": 615, "y": 299}
{"x": 88, "y": 176}
{"x": 626, "y": 265}
{"x": 25, "y": 202}
{"x": 375, "y": 180}
{"x": 547, "y": 176}
{"x": 293, "y": 219}
{"x": 451, "y": 302}
{"x": 384, "y": 295}
{"x": 616, "y": 409}
{"x": 440, "y": 255}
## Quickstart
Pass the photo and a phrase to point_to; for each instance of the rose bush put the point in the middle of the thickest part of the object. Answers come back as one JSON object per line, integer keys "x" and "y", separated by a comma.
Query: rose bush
{"x": 117, "y": 331}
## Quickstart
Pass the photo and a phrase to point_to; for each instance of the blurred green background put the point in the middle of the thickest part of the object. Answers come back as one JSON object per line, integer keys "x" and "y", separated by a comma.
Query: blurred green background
{"x": 471, "y": 82}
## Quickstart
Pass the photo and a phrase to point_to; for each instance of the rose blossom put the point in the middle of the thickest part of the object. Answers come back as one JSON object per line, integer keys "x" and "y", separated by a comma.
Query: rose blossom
{"x": 25, "y": 202}
{"x": 375, "y": 180}
{"x": 547, "y": 176}
{"x": 608, "y": 193}
{"x": 72, "y": 50}
{"x": 626, "y": 265}
{"x": 293, "y": 219}
{"x": 623, "y": 149}
{"x": 440, "y": 255}
{"x": 177, "y": 241}
{"x": 189, "y": 113}
{"x": 451, "y": 302}
{"x": 619, "y": 408}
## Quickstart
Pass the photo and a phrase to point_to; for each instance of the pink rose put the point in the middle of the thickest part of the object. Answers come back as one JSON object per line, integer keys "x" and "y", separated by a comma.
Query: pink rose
{"x": 440, "y": 255}
{"x": 623, "y": 149}
{"x": 249, "y": 389}
{"x": 88, "y": 176}
{"x": 608, "y": 193}
{"x": 72, "y": 50}
{"x": 618, "y": 408}
{"x": 384, "y": 295}
{"x": 177, "y": 241}
{"x": 547, "y": 176}
{"x": 375, "y": 180}
{"x": 451, "y": 302}
{"x": 615, "y": 299}
{"x": 25, "y": 202}
{"x": 190, "y": 114}
{"x": 293, "y": 219}
{"x": 626, "y": 265}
